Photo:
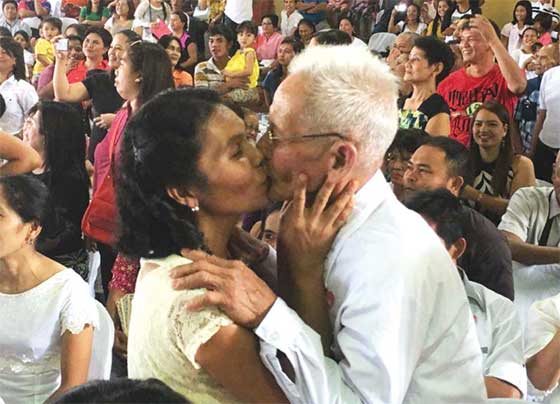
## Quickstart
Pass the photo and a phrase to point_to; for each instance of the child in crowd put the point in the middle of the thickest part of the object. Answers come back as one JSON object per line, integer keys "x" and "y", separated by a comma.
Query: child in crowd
{"x": 22, "y": 38}
{"x": 543, "y": 25}
{"x": 44, "y": 49}
{"x": 95, "y": 13}
{"x": 244, "y": 64}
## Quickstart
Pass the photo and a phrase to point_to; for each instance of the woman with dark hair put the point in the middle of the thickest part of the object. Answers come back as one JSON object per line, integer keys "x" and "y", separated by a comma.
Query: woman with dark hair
{"x": 498, "y": 172}
{"x": 434, "y": 27}
{"x": 190, "y": 199}
{"x": 47, "y": 316}
{"x": 287, "y": 50}
{"x": 178, "y": 24}
{"x": 305, "y": 30}
{"x": 144, "y": 71}
{"x": 98, "y": 87}
{"x": 511, "y": 32}
{"x": 411, "y": 23}
{"x": 172, "y": 46}
{"x": 345, "y": 24}
{"x": 122, "y": 17}
{"x": 22, "y": 37}
{"x": 268, "y": 40}
{"x": 18, "y": 94}
{"x": 54, "y": 130}
{"x": 429, "y": 62}
{"x": 94, "y": 13}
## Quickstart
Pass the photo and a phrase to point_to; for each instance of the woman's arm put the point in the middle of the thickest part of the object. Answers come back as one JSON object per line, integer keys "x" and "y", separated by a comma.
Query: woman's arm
{"x": 493, "y": 204}
{"x": 64, "y": 91}
{"x": 392, "y": 27}
{"x": 74, "y": 360}
{"x": 192, "y": 53}
{"x": 232, "y": 358}
{"x": 543, "y": 369}
{"x": 250, "y": 61}
{"x": 439, "y": 125}
{"x": 21, "y": 158}
{"x": 524, "y": 174}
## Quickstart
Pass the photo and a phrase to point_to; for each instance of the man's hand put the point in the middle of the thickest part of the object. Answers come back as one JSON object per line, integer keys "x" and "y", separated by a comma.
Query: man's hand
{"x": 232, "y": 287}
{"x": 238, "y": 82}
{"x": 483, "y": 25}
{"x": 104, "y": 121}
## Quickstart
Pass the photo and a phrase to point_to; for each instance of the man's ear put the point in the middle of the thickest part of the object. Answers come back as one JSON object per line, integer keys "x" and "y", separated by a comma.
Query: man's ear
{"x": 343, "y": 158}
{"x": 458, "y": 248}
{"x": 182, "y": 196}
{"x": 455, "y": 184}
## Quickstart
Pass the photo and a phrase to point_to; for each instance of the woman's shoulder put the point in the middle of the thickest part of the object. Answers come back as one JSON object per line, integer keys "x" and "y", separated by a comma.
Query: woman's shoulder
{"x": 520, "y": 163}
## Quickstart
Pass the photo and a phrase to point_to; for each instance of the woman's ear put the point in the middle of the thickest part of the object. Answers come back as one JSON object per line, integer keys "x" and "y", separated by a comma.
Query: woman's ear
{"x": 182, "y": 196}
{"x": 438, "y": 69}
{"x": 34, "y": 231}
{"x": 343, "y": 159}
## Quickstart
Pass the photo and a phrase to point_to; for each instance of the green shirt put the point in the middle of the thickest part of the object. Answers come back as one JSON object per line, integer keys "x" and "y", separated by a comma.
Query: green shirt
{"x": 93, "y": 16}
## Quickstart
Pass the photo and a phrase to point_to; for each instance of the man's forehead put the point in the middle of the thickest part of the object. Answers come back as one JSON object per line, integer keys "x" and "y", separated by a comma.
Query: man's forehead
{"x": 427, "y": 155}
{"x": 217, "y": 37}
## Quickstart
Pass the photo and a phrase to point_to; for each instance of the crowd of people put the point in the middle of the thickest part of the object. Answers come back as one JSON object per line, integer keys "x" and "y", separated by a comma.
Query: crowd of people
{"x": 339, "y": 201}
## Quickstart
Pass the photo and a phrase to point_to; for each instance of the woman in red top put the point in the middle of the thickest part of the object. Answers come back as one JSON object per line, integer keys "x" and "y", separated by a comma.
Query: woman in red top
{"x": 145, "y": 70}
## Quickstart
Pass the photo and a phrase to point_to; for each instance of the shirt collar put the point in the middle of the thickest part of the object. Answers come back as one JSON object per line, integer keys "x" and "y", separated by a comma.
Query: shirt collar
{"x": 472, "y": 293}
{"x": 554, "y": 206}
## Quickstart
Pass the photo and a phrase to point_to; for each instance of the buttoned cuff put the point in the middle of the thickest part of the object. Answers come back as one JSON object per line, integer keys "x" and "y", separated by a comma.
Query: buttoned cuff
{"x": 512, "y": 373}
{"x": 280, "y": 327}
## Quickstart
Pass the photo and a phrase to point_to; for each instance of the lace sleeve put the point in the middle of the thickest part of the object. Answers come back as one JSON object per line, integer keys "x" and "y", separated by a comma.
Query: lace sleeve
{"x": 192, "y": 329}
{"x": 79, "y": 308}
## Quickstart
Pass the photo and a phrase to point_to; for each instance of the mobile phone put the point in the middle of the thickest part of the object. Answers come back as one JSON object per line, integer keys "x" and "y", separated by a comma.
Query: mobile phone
{"x": 62, "y": 45}
{"x": 401, "y": 8}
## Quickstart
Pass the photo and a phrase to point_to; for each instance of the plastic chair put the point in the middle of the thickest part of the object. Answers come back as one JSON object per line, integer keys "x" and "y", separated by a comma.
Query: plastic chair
{"x": 381, "y": 42}
{"x": 102, "y": 349}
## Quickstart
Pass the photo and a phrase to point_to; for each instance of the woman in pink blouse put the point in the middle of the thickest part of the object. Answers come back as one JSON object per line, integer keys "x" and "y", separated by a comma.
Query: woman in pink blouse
{"x": 269, "y": 39}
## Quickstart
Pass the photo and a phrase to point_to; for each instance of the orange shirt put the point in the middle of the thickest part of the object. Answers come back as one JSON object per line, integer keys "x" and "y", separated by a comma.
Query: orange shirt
{"x": 182, "y": 78}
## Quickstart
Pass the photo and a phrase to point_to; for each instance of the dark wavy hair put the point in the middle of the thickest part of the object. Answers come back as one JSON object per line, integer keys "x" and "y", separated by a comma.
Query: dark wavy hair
{"x": 14, "y": 49}
{"x": 505, "y": 157}
{"x": 273, "y": 19}
{"x": 332, "y": 37}
{"x": 436, "y": 51}
{"x": 152, "y": 63}
{"x": 102, "y": 33}
{"x": 438, "y": 20}
{"x": 526, "y": 4}
{"x": 27, "y": 196}
{"x": 61, "y": 127}
{"x": 161, "y": 149}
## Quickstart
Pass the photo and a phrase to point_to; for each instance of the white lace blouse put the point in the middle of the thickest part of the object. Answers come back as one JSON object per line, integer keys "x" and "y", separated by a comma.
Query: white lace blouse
{"x": 31, "y": 326}
{"x": 164, "y": 337}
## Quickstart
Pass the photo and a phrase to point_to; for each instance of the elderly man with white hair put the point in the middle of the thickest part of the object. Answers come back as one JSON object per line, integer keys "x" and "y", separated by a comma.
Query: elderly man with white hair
{"x": 384, "y": 318}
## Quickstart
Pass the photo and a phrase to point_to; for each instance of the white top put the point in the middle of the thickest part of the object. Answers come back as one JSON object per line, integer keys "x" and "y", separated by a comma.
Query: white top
{"x": 499, "y": 333}
{"x": 549, "y": 100}
{"x": 164, "y": 337}
{"x": 146, "y": 14}
{"x": 201, "y": 15}
{"x": 419, "y": 30}
{"x": 19, "y": 96}
{"x": 28, "y": 57}
{"x": 288, "y": 25}
{"x": 457, "y": 15}
{"x": 544, "y": 323}
{"x": 239, "y": 10}
{"x": 520, "y": 58}
{"x": 31, "y": 326}
{"x": 403, "y": 332}
{"x": 358, "y": 43}
{"x": 512, "y": 32}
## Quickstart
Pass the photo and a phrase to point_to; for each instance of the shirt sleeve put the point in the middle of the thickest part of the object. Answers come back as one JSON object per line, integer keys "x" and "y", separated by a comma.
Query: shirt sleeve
{"x": 542, "y": 324}
{"x": 79, "y": 308}
{"x": 27, "y": 97}
{"x": 140, "y": 12}
{"x": 125, "y": 271}
{"x": 505, "y": 361}
{"x": 200, "y": 78}
{"x": 517, "y": 218}
{"x": 506, "y": 30}
{"x": 542, "y": 93}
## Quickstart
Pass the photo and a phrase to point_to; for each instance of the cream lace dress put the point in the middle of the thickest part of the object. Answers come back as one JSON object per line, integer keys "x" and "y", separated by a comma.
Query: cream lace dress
{"x": 164, "y": 337}
{"x": 31, "y": 326}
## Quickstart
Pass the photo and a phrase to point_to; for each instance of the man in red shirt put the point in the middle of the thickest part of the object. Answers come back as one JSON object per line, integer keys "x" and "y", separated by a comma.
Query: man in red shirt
{"x": 481, "y": 79}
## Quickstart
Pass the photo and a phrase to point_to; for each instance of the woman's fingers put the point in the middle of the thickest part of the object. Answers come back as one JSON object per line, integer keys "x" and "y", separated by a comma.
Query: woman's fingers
{"x": 299, "y": 197}
{"x": 336, "y": 210}
{"x": 322, "y": 198}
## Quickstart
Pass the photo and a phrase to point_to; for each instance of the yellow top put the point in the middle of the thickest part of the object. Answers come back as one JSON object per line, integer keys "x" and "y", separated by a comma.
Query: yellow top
{"x": 439, "y": 34}
{"x": 237, "y": 64}
{"x": 45, "y": 48}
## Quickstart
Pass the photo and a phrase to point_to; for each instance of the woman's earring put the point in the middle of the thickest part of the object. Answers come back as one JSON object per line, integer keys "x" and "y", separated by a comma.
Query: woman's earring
{"x": 195, "y": 209}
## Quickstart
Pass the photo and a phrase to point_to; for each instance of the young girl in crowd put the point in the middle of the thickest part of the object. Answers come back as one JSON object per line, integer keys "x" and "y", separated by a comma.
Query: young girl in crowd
{"x": 122, "y": 18}
{"x": 543, "y": 25}
{"x": 22, "y": 38}
{"x": 244, "y": 64}
{"x": 44, "y": 49}
{"x": 47, "y": 317}
{"x": 498, "y": 171}
{"x": 524, "y": 55}
{"x": 94, "y": 13}
{"x": 148, "y": 15}
{"x": 512, "y": 31}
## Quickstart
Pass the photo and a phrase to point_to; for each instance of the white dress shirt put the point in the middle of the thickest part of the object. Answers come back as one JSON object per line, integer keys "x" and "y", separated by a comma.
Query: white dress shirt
{"x": 544, "y": 323}
{"x": 19, "y": 96}
{"x": 499, "y": 333}
{"x": 403, "y": 331}
{"x": 288, "y": 25}
{"x": 239, "y": 10}
{"x": 549, "y": 100}
{"x": 527, "y": 213}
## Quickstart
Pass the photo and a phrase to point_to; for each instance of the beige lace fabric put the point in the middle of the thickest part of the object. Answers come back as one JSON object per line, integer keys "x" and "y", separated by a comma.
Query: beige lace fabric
{"x": 164, "y": 337}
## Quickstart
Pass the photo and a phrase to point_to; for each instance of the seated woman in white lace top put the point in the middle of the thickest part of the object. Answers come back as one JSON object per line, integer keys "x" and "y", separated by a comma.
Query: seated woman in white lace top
{"x": 46, "y": 316}
{"x": 188, "y": 172}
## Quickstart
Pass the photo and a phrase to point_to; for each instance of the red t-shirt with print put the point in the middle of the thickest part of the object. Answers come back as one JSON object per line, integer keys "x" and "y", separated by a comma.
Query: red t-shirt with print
{"x": 463, "y": 93}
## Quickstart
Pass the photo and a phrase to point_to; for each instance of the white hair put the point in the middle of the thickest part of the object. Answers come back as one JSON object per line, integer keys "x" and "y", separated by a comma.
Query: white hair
{"x": 351, "y": 92}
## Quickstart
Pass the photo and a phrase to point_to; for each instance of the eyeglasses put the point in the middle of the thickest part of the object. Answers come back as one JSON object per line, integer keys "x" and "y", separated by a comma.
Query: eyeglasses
{"x": 272, "y": 138}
